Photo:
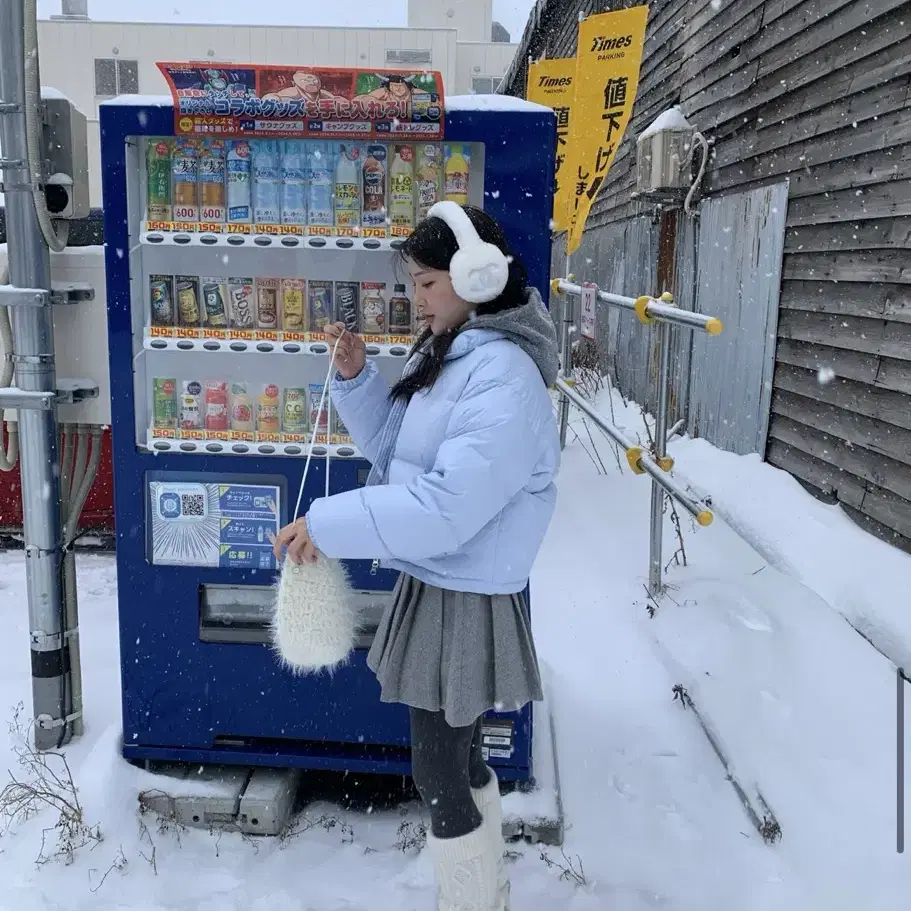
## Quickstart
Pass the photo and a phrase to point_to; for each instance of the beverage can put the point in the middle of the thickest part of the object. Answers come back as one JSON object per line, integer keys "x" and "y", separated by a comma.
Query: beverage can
{"x": 399, "y": 312}
{"x": 161, "y": 293}
{"x": 164, "y": 403}
{"x": 294, "y": 317}
{"x": 294, "y": 411}
{"x": 456, "y": 174}
{"x": 240, "y": 294}
{"x": 319, "y": 297}
{"x": 401, "y": 187}
{"x": 294, "y": 182}
{"x": 321, "y": 181}
{"x": 184, "y": 173}
{"x": 268, "y": 419}
{"x": 188, "y": 311}
{"x": 212, "y": 180}
{"x": 191, "y": 405}
{"x": 373, "y": 308}
{"x": 347, "y": 304}
{"x": 238, "y": 195}
{"x": 216, "y": 406}
{"x": 428, "y": 174}
{"x": 241, "y": 408}
{"x": 267, "y": 181}
{"x": 374, "y": 187}
{"x": 338, "y": 426}
{"x": 158, "y": 180}
{"x": 215, "y": 295}
{"x": 267, "y": 300}
{"x": 318, "y": 419}
{"x": 348, "y": 186}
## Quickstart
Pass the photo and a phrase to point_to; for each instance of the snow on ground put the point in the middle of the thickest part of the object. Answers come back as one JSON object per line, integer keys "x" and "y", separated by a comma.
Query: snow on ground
{"x": 801, "y": 705}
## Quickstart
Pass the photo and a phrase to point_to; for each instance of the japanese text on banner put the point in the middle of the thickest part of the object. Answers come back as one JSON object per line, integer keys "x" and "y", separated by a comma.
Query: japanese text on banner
{"x": 607, "y": 77}
{"x": 550, "y": 83}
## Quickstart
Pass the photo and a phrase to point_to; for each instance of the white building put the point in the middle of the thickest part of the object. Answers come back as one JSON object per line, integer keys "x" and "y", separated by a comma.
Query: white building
{"x": 92, "y": 61}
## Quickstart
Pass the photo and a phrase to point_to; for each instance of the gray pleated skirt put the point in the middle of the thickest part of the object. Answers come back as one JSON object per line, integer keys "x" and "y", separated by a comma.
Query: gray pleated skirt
{"x": 465, "y": 654}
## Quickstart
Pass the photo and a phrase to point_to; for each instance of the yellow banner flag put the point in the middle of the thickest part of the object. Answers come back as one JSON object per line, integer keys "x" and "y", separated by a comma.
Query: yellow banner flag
{"x": 550, "y": 82}
{"x": 607, "y": 77}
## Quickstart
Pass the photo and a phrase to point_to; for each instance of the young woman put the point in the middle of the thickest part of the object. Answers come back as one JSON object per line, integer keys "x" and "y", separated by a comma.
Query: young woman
{"x": 461, "y": 491}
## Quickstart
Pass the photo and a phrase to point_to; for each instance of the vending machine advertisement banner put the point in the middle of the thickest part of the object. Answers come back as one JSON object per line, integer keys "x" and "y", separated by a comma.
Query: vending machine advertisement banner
{"x": 550, "y": 82}
{"x": 304, "y": 102}
{"x": 214, "y": 524}
{"x": 607, "y": 79}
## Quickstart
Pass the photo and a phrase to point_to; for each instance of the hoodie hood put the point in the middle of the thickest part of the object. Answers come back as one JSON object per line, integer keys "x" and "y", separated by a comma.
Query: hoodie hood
{"x": 529, "y": 326}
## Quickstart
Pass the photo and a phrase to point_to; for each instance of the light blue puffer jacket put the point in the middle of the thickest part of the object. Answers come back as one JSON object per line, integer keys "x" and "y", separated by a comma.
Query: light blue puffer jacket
{"x": 470, "y": 489}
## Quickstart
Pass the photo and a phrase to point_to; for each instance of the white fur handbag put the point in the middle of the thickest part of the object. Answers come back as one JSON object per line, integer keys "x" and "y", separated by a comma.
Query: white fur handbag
{"x": 315, "y": 620}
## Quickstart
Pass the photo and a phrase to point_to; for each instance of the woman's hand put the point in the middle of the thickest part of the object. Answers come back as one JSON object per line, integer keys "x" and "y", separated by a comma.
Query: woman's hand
{"x": 351, "y": 354}
{"x": 297, "y": 539}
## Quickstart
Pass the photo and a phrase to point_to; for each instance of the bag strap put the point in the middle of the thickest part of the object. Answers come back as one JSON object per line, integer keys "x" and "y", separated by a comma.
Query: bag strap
{"x": 319, "y": 413}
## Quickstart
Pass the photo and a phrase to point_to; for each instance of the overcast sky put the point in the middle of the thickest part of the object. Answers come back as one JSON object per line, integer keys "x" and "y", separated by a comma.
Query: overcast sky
{"x": 511, "y": 13}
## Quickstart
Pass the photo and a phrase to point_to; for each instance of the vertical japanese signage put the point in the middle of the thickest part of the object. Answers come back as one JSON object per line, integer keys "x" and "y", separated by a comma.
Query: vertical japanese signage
{"x": 589, "y": 310}
{"x": 550, "y": 82}
{"x": 607, "y": 77}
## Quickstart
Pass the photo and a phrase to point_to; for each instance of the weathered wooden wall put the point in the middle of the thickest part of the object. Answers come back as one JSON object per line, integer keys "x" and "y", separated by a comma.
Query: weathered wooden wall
{"x": 819, "y": 92}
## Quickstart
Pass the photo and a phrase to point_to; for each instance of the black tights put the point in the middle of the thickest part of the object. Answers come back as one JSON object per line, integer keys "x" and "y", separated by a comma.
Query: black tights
{"x": 446, "y": 763}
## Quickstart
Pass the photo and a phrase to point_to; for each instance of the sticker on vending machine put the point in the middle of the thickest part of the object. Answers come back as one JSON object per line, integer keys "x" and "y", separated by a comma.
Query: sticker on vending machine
{"x": 294, "y": 416}
{"x": 294, "y": 313}
{"x": 212, "y": 208}
{"x": 319, "y": 299}
{"x": 216, "y": 410}
{"x": 189, "y": 313}
{"x": 319, "y": 419}
{"x": 242, "y": 307}
{"x": 268, "y": 308}
{"x": 215, "y": 307}
{"x": 184, "y": 180}
{"x": 161, "y": 293}
{"x": 268, "y": 416}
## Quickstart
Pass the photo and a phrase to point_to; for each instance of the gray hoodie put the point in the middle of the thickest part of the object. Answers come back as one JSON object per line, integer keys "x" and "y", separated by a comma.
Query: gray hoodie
{"x": 531, "y": 328}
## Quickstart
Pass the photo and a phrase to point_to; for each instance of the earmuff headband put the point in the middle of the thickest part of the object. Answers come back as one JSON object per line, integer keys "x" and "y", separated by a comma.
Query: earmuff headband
{"x": 479, "y": 270}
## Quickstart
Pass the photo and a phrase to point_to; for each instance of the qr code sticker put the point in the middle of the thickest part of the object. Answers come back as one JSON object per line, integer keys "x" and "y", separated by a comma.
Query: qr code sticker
{"x": 193, "y": 504}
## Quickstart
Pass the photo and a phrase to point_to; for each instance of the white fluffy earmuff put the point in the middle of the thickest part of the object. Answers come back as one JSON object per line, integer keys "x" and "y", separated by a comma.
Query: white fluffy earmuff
{"x": 479, "y": 271}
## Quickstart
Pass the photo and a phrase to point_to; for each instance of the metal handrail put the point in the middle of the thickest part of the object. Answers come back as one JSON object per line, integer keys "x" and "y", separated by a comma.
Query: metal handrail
{"x": 638, "y": 460}
{"x": 647, "y": 308}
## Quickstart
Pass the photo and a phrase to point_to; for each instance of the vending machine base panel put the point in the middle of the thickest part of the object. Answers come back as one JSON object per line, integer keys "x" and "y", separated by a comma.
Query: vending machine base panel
{"x": 198, "y": 792}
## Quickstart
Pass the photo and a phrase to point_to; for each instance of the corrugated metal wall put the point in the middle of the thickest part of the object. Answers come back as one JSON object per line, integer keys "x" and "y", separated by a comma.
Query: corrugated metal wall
{"x": 727, "y": 265}
{"x": 741, "y": 239}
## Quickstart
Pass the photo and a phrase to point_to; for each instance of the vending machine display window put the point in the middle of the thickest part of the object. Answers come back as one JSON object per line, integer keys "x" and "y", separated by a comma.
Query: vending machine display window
{"x": 242, "y": 250}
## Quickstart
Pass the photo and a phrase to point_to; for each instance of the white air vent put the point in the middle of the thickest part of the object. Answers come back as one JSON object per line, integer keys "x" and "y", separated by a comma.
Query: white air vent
{"x": 408, "y": 58}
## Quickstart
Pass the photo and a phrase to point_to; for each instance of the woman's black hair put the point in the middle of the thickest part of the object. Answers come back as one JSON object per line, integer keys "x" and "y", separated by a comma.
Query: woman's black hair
{"x": 432, "y": 244}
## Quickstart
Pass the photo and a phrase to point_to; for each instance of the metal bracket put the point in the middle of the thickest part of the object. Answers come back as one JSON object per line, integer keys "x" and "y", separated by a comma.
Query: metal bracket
{"x": 18, "y": 399}
{"x": 10, "y": 107}
{"x": 60, "y": 293}
{"x": 71, "y": 292}
{"x": 46, "y": 723}
{"x": 46, "y": 642}
{"x": 11, "y": 164}
{"x": 69, "y": 392}
{"x": 74, "y": 391}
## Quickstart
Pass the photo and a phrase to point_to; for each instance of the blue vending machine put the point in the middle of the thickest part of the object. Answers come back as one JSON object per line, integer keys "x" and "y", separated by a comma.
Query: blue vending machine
{"x": 240, "y": 214}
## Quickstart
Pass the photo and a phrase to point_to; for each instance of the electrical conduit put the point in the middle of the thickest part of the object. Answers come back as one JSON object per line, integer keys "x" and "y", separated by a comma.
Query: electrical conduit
{"x": 56, "y": 242}
{"x": 9, "y": 452}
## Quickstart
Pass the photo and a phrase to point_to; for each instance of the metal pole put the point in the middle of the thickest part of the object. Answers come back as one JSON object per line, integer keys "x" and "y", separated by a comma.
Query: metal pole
{"x": 33, "y": 342}
{"x": 566, "y": 356}
{"x": 662, "y": 337}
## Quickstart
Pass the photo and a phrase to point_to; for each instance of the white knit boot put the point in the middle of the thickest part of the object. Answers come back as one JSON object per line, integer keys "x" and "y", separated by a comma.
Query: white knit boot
{"x": 489, "y": 804}
{"x": 466, "y": 872}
